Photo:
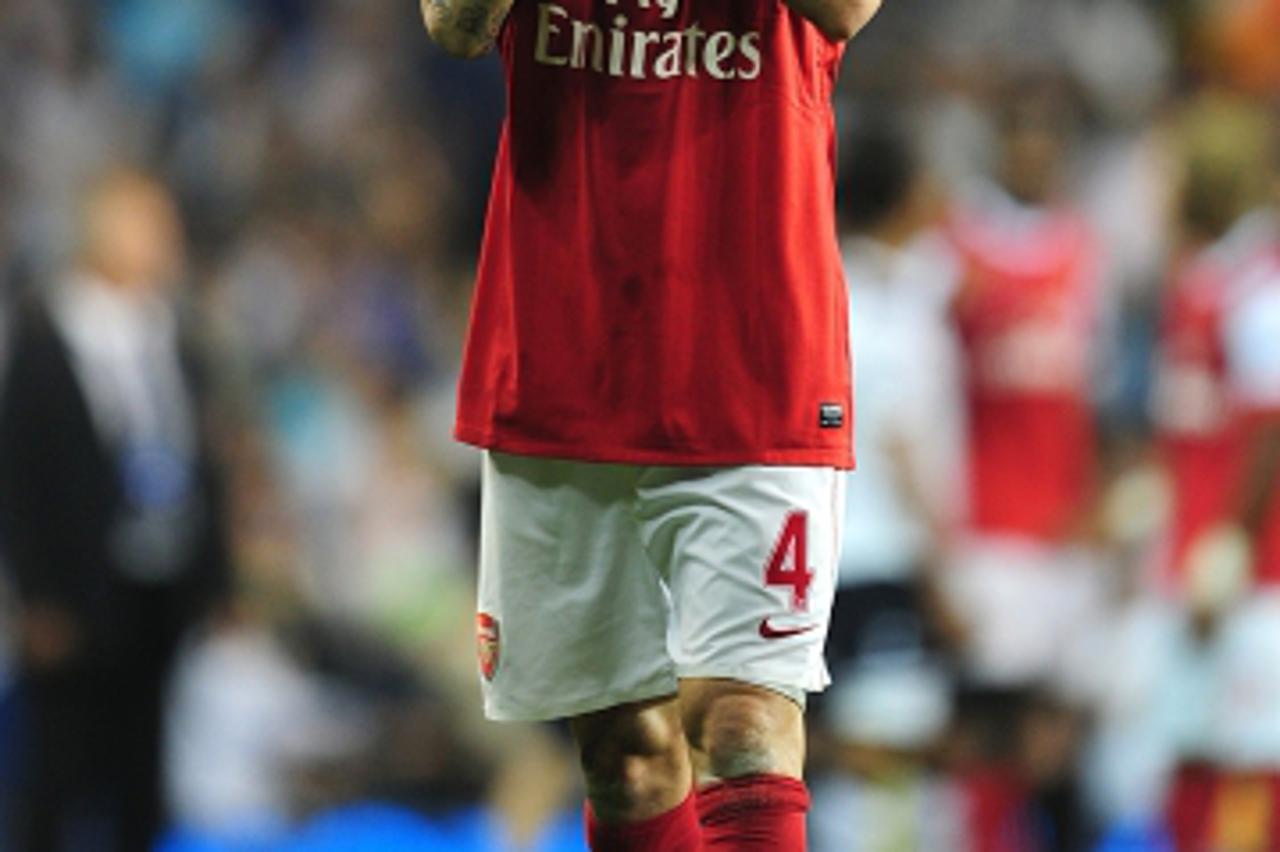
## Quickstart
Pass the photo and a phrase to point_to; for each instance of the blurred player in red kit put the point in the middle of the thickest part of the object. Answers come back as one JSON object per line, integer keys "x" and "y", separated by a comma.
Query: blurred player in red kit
{"x": 1226, "y": 234}
{"x": 1027, "y": 313}
{"x": 1218, "y": 408}
{"x": 658, "y": 369}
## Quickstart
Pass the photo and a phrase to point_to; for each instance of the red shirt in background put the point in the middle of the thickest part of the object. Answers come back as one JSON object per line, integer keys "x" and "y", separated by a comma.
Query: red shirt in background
{"x": 1194, "y": 411}
{"x": 660, "y": 281}
{"x": 1253, "y": 340}
{"x": 1026, "y": 315}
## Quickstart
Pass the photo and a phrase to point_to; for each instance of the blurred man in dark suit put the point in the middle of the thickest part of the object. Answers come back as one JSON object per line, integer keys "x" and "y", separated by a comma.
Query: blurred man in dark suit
{"x": 111, "y": 521}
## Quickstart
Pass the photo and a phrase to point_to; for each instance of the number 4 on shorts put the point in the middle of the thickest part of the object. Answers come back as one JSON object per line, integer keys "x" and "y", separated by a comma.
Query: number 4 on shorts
{"x": 788, "y": 565}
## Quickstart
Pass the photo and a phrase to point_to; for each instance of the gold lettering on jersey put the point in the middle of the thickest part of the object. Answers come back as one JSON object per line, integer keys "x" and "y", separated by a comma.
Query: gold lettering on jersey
{"x": 547, "y": 31}
{"x": 668, "y": 7}
{"x": 565, "y": 41}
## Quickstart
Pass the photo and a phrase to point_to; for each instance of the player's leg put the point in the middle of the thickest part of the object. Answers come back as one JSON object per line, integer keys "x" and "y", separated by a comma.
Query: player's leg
{"x": 736, "y": 729}
{"x": 639, "y": 780}
{"x": 572, "y": 625}
{"x": 748, "y": 749}
{"x": 751, "y": 555}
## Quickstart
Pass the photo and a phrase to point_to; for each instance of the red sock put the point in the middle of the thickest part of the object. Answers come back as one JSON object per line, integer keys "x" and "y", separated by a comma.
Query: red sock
{"x": 675, "y": 831}
{"x": 758, "y": 813}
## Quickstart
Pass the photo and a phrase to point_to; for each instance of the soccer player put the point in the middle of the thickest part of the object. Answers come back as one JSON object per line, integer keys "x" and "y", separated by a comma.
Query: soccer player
{"x": 1200, "y": 418}
{"x": 1201, "y": 434}
{"x": 1027, "y": 316}
{"x": 1227, "y": 538}
{"x": 1022, "y": 578}
{"x": 658, "y": 368}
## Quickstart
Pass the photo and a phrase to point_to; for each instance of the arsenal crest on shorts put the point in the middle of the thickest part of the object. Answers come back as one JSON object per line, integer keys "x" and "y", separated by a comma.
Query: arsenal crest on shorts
{"x": 488, "y": 644}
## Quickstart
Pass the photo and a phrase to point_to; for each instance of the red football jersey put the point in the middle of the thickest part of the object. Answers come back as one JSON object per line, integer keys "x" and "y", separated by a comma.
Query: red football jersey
{"x": 1194, "y": 412}
{"x": 1260, "y": 406}
{"x": 1026, "y": 316}
{"x": 1205, "y": 426}
{"x": 660, "y": 281}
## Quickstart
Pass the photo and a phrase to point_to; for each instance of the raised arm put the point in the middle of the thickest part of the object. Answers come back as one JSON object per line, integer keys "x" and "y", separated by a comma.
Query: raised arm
{"x": 840, "y": 20}
{"x": 464, "y": 28}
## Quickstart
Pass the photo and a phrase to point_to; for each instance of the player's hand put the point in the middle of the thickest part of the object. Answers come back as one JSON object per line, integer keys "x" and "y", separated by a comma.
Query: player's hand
{"x": 464, "y": 28}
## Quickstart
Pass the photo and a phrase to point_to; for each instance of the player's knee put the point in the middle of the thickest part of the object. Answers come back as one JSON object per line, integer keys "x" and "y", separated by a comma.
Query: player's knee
{"x": 740, "y": 736}
{"x": 748, "y": 732}
{"x": 632, "y": 756}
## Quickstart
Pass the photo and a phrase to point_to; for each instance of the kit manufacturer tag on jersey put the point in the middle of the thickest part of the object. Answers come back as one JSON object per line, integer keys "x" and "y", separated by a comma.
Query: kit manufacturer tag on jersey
{"x": 831, "y": 415}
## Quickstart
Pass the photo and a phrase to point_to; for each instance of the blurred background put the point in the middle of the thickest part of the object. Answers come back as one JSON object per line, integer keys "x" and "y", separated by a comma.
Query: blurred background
{"x": 237, "y": 242}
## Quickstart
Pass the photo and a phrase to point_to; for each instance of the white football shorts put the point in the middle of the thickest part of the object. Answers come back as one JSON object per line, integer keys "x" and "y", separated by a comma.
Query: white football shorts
{"x": 604, "y": 584}
{"x": 1029, "y": 607}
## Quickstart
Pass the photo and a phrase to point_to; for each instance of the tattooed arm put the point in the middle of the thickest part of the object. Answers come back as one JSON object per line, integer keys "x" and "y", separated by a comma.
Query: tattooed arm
{"x": 840, "y": 20}
{"x": 465, "y": 28}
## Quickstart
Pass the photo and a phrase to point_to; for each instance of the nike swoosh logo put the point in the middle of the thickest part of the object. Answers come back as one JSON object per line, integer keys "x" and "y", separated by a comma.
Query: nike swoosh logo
{"x": 767, "y": 631}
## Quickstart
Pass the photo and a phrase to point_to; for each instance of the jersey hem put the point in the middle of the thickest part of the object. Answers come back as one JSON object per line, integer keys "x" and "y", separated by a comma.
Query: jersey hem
{"x": 802, "y": 457}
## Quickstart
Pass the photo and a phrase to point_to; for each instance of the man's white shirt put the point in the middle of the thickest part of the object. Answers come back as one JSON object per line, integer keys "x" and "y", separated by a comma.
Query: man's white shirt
{"x": 906, "y": 364}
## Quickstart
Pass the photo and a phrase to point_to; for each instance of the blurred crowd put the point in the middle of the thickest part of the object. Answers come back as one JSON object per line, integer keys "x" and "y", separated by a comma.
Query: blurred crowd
{"x": 236, "y": 247}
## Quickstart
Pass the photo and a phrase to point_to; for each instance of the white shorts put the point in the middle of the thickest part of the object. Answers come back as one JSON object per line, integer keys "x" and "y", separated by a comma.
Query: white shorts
{"x": 606, "y": 584}
{"x": 1028, "y": 607}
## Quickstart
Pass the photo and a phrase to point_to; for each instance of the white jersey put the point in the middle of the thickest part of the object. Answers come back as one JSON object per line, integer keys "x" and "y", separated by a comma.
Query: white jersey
{"x": 909, "y": 405}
